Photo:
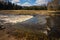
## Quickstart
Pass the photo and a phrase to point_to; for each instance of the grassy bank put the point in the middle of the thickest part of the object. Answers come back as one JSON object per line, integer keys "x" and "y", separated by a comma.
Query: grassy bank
{"x": 27, "y": 12}
{"x": 23, "y": 11}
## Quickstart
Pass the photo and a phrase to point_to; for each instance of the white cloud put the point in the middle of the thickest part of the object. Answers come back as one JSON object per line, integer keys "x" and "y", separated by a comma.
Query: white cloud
{"x": 15, "y": 1}
{"x": 38, "y": 2}
{"x": 26, "y": 4}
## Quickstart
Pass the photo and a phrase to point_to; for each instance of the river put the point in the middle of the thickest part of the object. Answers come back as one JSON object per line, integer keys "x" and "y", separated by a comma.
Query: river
{"x": 23, "y": 18}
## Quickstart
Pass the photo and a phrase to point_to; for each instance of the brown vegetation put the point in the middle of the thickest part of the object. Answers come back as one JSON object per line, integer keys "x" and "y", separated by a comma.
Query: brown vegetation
{"x": 12, "y": 33}
{"x": 31, "y": 12}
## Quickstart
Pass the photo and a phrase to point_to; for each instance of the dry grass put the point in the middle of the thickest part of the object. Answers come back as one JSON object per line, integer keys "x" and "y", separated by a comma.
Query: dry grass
{"x": 23, "y": 11}
{"x": 27, "y": 12}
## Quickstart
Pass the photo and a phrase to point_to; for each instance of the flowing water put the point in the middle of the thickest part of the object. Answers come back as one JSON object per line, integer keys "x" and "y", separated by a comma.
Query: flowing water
{"x": 23, "y": 18}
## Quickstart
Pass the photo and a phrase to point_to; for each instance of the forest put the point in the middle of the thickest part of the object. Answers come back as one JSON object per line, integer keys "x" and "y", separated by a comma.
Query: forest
{"x": 12, "y": 6}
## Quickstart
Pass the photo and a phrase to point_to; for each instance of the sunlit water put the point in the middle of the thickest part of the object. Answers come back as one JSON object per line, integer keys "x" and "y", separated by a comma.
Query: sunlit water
{"x": 23, "y": 18}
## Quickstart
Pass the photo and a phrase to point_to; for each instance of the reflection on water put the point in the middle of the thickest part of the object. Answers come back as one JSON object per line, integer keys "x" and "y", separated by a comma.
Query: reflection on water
{"x": 24, "y": 18}
{"x": 24, "y": 25}
{"x": 15, "y": 18}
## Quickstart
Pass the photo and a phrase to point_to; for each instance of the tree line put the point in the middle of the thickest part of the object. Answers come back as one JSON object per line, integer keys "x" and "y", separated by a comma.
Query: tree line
{"x": 9, "y": 6}
{"x": 12, "y": 6}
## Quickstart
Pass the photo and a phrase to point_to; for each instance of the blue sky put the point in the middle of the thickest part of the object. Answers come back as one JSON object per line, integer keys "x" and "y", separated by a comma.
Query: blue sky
{"x": 29, "y": 2}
